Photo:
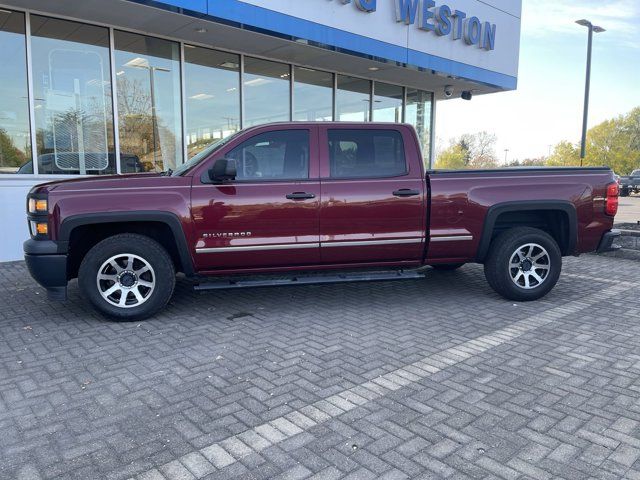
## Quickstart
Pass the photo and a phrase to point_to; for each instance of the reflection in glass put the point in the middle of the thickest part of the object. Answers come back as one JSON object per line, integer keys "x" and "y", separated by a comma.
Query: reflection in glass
{"x": 352, "y": 99}
{"x": 273, "y": 155}
{"x": 72, "y": 97}
{"x": 418, "y": 114}
{"x": 15, "y": 143}
{"x": 387, "y": 103}
{"x": 148, "y": 89}
{"x": 312, "y": 95}
{"x": 266, "y": 91}
{"x": 212, "y": 88}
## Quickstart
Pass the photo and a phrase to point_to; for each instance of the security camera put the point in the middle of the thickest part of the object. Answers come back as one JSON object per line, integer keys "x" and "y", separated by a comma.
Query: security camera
{"x": 467, "y": 95}
{"x": 448, "y": 91}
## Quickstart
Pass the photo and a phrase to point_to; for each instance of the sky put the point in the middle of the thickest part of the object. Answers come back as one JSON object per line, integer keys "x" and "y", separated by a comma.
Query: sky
{"x": 547, "y": 105}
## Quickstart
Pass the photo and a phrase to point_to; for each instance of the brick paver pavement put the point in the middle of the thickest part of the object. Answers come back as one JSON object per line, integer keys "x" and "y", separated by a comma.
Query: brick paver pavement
{"x": 431, "y": 378}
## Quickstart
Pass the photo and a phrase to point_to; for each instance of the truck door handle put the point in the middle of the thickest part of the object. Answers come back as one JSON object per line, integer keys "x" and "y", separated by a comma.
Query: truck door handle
{"x": 300, "y": 196}
{"x": 406, "y": 192}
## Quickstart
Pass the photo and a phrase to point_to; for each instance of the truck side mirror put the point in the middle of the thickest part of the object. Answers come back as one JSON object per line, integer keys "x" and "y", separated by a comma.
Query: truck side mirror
{"x": 223, "y": 170}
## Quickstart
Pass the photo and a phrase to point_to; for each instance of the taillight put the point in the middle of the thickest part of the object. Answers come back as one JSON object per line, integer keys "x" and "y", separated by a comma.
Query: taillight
{"x": 611, "y": 207}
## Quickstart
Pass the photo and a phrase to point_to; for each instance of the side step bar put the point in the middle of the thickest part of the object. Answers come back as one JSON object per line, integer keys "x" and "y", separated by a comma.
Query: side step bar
{"x": 312, "y": 280}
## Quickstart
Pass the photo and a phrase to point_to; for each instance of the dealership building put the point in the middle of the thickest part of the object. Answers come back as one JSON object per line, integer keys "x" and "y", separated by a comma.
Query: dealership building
{"x": 101, "y": 87}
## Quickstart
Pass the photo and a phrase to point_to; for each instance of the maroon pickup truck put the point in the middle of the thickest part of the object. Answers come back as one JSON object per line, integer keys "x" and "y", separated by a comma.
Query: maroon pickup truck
{"x": 296, "y": 198}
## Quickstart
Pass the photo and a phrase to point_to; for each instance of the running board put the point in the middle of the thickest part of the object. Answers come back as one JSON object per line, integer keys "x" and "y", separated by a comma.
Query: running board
{"x": 312, "y": 280}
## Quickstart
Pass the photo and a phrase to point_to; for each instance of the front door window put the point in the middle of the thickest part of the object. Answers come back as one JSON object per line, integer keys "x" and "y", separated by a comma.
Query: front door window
{"x": 275, "y": 155}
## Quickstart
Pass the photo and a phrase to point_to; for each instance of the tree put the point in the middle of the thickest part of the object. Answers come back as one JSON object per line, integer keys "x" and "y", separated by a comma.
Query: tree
{"x": 453, "y": 158}
{"x": 527, "y": 162}
{"x": 10, "y": 155}
{"x": 613, "y": 143}
{"x": 565, "y": 154}
{"x": 469, "y": 151}
{"x": 484, "y": 161}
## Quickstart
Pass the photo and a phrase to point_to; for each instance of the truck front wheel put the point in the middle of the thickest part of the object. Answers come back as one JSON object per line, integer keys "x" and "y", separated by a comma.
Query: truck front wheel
{"x": 127, "y": 277}
{"x": 523, "y": 264}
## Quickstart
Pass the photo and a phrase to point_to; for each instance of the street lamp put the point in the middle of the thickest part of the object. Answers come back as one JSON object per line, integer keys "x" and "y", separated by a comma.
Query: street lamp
{"x": 592, "y": 28}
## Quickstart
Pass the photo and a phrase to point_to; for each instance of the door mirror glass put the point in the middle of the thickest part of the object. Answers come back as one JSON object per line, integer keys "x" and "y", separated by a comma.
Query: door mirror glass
{"x": 223, "y": 170}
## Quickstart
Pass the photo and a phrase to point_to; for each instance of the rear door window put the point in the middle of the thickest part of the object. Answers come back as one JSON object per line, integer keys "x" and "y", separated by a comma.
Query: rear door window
{"x": 363, "y": 153}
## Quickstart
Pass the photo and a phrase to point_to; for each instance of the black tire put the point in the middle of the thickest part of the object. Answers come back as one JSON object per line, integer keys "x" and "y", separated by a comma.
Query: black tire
{"x": 148, "y": 300}
{"x": 624, "y": 192}
{"x": 500, "y": 275}
{"x": 447, "y": 267}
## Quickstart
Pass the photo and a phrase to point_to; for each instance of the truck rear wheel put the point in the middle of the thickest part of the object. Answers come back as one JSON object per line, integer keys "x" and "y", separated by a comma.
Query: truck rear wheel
{"x": 127, "y": 277}
{"x": 523, "y": 264}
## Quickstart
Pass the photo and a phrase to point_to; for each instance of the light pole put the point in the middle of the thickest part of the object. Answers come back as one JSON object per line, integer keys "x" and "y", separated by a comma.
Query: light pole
{"x": 592, "y": 28}
{"x": 506, "y": 152}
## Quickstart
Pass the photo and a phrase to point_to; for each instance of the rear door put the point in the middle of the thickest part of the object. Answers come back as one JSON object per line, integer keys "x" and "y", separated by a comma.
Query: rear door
{"x": 268, "y": 215}
{"x": 373, "y": 207}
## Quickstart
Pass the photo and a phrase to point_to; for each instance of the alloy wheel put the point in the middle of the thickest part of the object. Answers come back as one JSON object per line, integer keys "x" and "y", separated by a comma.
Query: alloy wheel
{"x": 126, "y": 280}
{"x": 529, "y": 266}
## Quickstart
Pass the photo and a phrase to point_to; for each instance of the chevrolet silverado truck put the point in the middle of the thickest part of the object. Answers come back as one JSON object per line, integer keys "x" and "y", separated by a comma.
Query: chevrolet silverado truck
{"x": 311, "y": 202}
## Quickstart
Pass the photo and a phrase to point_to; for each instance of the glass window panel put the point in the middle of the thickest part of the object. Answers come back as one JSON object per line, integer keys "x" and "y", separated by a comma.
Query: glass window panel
{"x": 366, "y": 153}
{"x": 72, "y": 97}
{"x": 212, "y": 89}
{"x": 418, "y": 114}
{"x": 266, "y": 91}
{"x": 149, "y": 110}
{"x": 15, "y": 140}
{"x": 352, "y": 99}
{"x": 313, "y": 95}
{"x": 387, "y": 102}
{"x": 274, "y": 155}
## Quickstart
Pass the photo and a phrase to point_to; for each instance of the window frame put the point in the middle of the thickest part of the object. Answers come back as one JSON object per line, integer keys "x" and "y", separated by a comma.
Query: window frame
{"x": 252, "y": 133}
{"x": 326, "y": 151}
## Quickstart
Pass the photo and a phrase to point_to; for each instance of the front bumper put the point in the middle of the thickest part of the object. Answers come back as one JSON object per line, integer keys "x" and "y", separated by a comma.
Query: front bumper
{"x": 606, "y": 243}
{"x": 47, "y": 264}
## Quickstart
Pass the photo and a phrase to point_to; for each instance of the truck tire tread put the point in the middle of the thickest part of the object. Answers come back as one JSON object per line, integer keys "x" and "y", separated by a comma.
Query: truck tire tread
{"x": 496, "y": 268}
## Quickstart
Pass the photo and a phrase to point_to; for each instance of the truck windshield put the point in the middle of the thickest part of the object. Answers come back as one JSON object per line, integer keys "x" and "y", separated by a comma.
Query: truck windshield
{"x": 208, "y": 150}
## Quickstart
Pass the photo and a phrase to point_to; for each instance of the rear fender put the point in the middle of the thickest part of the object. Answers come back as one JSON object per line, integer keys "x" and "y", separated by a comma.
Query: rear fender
{"x": 528, "y": 205}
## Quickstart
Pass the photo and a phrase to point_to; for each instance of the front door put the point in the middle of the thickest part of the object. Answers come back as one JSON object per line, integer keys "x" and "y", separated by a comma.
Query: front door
{"x": 373, "y": 207}
{"x": 268, "y": 215}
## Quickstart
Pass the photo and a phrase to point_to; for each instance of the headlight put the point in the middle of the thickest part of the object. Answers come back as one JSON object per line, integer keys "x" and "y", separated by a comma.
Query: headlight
{"x": 38, "y": 205}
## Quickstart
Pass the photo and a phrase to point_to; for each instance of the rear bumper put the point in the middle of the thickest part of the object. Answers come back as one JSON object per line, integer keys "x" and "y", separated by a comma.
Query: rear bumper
{"x": 606, "y": 243}
{"x": 47, "y": 266}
